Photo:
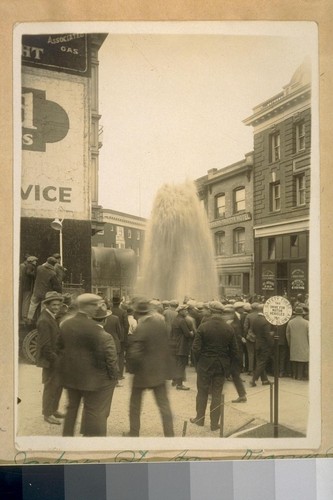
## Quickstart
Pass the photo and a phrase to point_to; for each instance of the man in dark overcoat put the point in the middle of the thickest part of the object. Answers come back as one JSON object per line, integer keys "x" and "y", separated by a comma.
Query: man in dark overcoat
{"x": 214, "y": 348}
{"x": 112, "y": 326}
{"x": 181, "y": 340}
{"x": 123, "y": 320}
{"x": 264, "y": 346}
{"x": 148, "y": 358}
{"x": 237, "y": 362}
{"x": 89, "y": 367}
{"x": 46, "y": 281}
{"x": 47, "y": 356}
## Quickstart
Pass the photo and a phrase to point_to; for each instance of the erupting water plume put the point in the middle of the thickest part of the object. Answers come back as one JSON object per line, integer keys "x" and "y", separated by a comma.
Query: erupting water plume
{"x": 178, "y": 258}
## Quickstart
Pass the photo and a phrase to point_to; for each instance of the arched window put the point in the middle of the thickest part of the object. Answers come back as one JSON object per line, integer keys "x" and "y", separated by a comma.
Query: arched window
{"x": 239, "y": 199}
{"x": 239, "y": 240}
{"x": 220, "y": 206}
{"x": 219, "y": 242}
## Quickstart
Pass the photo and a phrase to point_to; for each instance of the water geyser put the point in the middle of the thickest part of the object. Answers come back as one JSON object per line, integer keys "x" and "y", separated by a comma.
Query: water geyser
{"x": 178, "y": 257}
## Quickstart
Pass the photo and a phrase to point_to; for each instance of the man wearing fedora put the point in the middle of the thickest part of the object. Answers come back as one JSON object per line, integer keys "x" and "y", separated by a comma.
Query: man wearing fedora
{"x": 214, "y": 348}
{"x": 148, "y": 359}
{"x": 89, "y": 370}
{"x": 262, "y": 330}
{"x": 123, "y": 320}
{"x": 47, "y": 356}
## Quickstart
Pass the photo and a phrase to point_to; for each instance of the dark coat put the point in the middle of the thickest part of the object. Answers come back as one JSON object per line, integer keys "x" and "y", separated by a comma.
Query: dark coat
{"x": 236, "y": 325}
{"x": 214, "y": 341}
{"x": 122, "y": 316}
{"x": 262, "y": 330}
{"x": 148, "y": 353}
{"x": 181, "y": 338}
{"x": 89, "y": 356}
{"x": 27, "y": 276}
{"x": 113, "y": 326}
{"x": 47, "y": 340}
{"x": 46, "y": 281}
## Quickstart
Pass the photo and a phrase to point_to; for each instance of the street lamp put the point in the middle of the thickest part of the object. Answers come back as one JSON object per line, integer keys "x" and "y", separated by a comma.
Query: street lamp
{"x": 57, "y": 226}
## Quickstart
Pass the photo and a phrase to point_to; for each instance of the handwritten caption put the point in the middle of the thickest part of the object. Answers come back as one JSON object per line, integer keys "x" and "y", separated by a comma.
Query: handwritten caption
{"x": 131, "y": 456}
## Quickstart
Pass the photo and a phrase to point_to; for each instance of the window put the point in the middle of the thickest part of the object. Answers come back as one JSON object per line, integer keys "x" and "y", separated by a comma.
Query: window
{"x": 101, "y": 232}
{"x": 120, "y": 245}
{"x": 100, "y": 244}
{"x": 220, "y": 206}
{"x": 219, "y": 243}
{"x": 138, "y": 252}
{"x": 274, "y": 147}
{"x": 138, "y": 235}
{"x": 300, "y": 190}
{"x": 239, "y": 199}
{"x": 294, "y": 245}
{"x": 275, "y": 196}
{"x": 300, "y": 137}
{"x": 120, "y": 231}
{"x": 235, "y": 280}
{"x": 111, "y": 227}
{"x": 129, "y": 234}
{"x": 239, "y": 240}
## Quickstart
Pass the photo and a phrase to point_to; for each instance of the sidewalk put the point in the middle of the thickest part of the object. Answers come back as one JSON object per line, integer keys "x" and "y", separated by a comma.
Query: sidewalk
{"x": 293, "y": 407}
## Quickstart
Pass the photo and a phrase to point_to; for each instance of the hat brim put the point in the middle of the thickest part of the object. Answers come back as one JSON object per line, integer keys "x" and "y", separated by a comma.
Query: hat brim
{"x": 108, "y": 313}
{"x": 45, "y": 301}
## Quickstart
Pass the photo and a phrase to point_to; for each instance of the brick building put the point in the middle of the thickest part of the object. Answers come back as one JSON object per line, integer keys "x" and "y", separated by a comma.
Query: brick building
{"x": 227, "y": 195}
{"x": 281, "y": 183}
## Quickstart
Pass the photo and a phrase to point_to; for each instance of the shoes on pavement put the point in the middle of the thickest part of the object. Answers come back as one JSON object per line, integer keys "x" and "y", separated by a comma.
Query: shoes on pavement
{"x": 241, "y": 399}
{"x": 253, "y": 384}
{"x": 267, "y": 382}
{"x": 182, "y": 388}
{"x": 197, "y": 421}
{"x": 58, "y": 414}
{"x": 214, "y": 427}
{"x": 52, "y": 420}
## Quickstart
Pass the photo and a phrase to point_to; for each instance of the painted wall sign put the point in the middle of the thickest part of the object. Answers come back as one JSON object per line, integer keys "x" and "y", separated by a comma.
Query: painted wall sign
{"x": 55, "y": 153}
{"x": 43, "y": 121}
{"x": 67, "y": 52}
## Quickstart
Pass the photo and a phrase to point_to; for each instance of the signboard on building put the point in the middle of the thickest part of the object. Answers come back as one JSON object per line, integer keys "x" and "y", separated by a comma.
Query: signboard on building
{"x": 277, "y": 310}
{"x": 66, "y": 52}
{"x": 54, "y": 172}
{"x": 298, "y": 278}
{"x": 235, "y": 219}
{"x": 268, "y": 279}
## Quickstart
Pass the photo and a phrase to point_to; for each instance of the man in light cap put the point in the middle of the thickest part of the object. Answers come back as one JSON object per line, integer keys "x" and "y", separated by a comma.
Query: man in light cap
{"x": 214, "y": 348}
{"x": 82, "y": 372}
{"x": 47, "y": 356}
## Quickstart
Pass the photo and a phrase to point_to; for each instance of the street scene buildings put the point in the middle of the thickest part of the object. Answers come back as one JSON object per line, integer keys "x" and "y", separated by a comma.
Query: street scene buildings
{"x": 257, "y": 209}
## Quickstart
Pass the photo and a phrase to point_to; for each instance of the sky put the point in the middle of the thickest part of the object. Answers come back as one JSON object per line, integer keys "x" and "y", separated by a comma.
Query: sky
{"x": 172, "y": 105}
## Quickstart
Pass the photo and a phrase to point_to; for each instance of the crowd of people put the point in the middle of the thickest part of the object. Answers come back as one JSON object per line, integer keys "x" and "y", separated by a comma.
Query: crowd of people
{"x": 85, "y": 347}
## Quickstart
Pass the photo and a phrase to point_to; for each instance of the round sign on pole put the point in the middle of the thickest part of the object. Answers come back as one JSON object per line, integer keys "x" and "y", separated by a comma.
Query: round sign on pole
{"x": 277, "y": 310}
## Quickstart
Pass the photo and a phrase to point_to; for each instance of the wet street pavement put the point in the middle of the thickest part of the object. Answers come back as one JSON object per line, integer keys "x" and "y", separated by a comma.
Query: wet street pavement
{"x": 293, "y": 404}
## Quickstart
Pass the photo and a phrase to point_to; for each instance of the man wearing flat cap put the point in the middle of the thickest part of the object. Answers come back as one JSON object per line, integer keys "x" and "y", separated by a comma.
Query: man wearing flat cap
{"x": 88, "y": 367}
{"x": 47, "y": 356}
{"x": 148, "y": 359}
{"x": 214, "y": 348}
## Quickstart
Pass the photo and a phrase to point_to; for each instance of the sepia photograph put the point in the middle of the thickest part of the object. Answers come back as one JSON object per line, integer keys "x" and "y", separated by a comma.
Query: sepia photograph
{"x": 166, "y": 223}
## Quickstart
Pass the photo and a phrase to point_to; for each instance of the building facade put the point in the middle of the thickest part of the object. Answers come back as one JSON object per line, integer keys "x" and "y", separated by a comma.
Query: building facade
{"x": 59, "y": 160}
{"x": 117, "y": 252}
{"x": 281, "y": 183}
{"x": 227, "y": 196}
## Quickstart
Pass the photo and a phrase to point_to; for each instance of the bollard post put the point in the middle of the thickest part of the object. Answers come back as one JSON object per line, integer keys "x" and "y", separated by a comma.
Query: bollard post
{"x": 271, "y": 406}
{"x": 222, "y": 415}
{"x": 276, "y": 383}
